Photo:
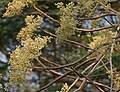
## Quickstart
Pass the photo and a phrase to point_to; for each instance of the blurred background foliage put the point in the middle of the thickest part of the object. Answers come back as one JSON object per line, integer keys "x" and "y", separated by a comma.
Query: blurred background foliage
{"x": 9, "y": 27}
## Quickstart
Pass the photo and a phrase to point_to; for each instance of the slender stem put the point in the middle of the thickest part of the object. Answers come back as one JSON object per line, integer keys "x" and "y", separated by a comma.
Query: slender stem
{"x": 72, "y": 84}
{"x": 107, "y": 7}
{"x": 93, "y": 18}
{"x": 111, "y": 65}
{"x": 82, "y": 75}
{"x": 98, "y": 29}
{"x": 43, "y": 13}
{"x": 69, "y": 41}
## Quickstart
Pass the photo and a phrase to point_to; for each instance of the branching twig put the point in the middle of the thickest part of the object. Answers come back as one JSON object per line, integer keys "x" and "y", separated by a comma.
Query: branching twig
{"x": 103, "y": 15}
{"x": 109, "y": 8}
{"x": 43, "y": 13}
{"x": 111, "y": 65}
{"x": 72, "y": 84}
{"x": 98, "y": 29}
{"x": 69, "y": 41}
{"x": 82, "y": 75}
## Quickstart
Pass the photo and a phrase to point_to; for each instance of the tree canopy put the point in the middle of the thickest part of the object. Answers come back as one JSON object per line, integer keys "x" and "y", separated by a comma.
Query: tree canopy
{"x": 71, "y": 45}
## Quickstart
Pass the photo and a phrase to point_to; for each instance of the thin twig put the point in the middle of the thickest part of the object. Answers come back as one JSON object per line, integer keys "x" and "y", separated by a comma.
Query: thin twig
{"x": 82, "y": 75}
{"x": 72, "y": 85}
{"x": 93, "y": 18}
{"x": 111, "y": 65}
{"x": 43, "y": 13}
{"x": 109, "y": 8}
{"x": 77, "y": 66}
{"x": 63, "y": 66}
{"x": 49, "y": 62}
{"x": 81, "y": 86}
{"x": 98, "y": 29}
{"x": 108, "y": 22}
{"x": 103, "y": 65}
{"x": 69, "y": 41}
{"x": 98, "y": 61}
{"x": 95, "y": 65}
{"x": 60, "y": 77}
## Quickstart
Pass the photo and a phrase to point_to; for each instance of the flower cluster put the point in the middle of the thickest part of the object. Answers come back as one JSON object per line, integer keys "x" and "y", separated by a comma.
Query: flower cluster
{"x": 87, "y": 7}
{"x": 16, "y": 7}
{"x": 34, "y": 46}
{"x": 67, "y": 21}
{"x": 101, "y": 38}
{"x": 117, "y": 82}
{"x": 64, "y": 88}
{"x": 21, "y": 56}
{"x": 30, "y": 48}
{"x": 32, "y": 24}
{"x": 19, "y": 62}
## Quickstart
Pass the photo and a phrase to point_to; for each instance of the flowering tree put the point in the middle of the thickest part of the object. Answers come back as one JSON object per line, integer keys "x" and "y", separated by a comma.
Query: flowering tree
{"x": 88, "y": 19}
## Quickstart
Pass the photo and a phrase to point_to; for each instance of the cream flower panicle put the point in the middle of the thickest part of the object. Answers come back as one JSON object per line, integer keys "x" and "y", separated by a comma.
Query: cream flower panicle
{"x": 20, "y": 58}
{"x": 67, "y": 21}
{"x": 117, "y": 82}
{"x": 102, "y": 37}
{"x": 16, "y": 7}
{"x": 32, "y": 23}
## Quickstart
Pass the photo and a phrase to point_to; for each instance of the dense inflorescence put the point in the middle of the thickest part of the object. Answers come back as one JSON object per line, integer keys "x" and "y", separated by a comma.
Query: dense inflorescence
{"x": 67, "y": 21}
{"x": 102, "y": 37}
{"x": 32, "y": 25}
{"x": 117, "y": 82}
{"x": 16, "y": 7}
{"x": 20, "y": 58}
{"x": 87, "y": 7}
{"x": 68, "y": 13}
{"x": 19, "y": 62}
{"x": 29, "y": 49}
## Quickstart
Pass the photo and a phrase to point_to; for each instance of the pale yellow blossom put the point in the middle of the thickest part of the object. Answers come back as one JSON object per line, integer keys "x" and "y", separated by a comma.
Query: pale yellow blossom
{"x": 64, "y": 88}
{"x": 21, "y": 57}
{"x": 32, "y": 23}
{"x": 16, "y": 7}
{"x": 117, "y": 82}
{"x": 102, "y": 37}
